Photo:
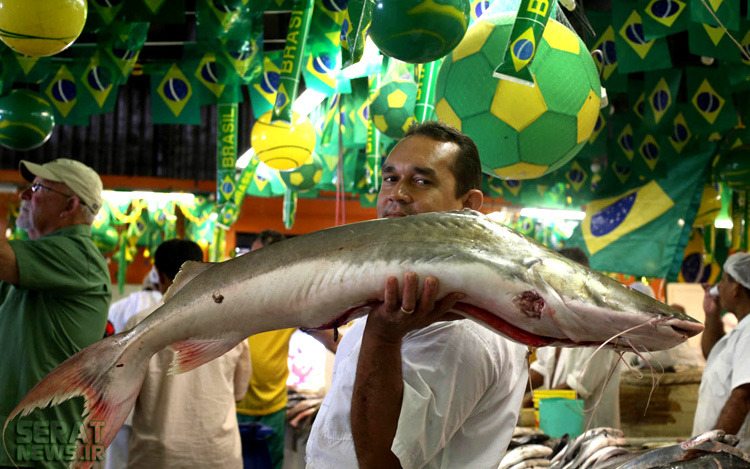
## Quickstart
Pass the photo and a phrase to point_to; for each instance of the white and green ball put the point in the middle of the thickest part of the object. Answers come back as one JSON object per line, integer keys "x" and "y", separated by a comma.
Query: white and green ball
{"x": 306, "y": 176}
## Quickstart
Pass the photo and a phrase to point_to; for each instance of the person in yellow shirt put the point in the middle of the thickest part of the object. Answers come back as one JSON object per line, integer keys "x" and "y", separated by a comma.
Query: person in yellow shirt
{"x": 266, "y": 397}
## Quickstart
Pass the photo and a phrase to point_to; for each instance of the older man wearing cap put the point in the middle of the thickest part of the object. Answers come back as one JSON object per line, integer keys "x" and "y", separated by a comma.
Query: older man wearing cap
{"x": 54, "y": 296}
{"x": 724, "y": 394}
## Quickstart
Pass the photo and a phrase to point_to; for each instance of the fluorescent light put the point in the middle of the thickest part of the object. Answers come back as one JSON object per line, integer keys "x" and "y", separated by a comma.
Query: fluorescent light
{"x": 307, "y": 101}
{"x": 723, "y": 223}
{"x": 243, "y": 160}
{"x": 119, "y": 197}
{"x": 551, "y": 214}
{"x": 370, "y": 56}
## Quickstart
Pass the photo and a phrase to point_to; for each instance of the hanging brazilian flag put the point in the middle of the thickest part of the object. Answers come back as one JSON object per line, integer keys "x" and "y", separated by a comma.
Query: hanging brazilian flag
{"x": 634, "y": 52}
{"x": 661, "y": 97}
{"x": 263, "y": 88}
{"x": 644, "y": 231}
{"x": 605, "y": 52}
{"x": 214, "y": 84}
{"x": 219, "y": 19}
{"x": 325, "y": 30}
{"x": 663, "y": 17}
{"x": 101, "y": 82}
{"x": 321, "y": 70}
{"x": 63, "y": 92}
{"x": 357, "y": 21}
{"x": 713, "y": 41}
{"x": 122, "y": 43}
{"x": 172, "y": 96}
{"x": 355, "y": 114}
{"x": 710, "y": 96}
{"x": 707, "y": 12}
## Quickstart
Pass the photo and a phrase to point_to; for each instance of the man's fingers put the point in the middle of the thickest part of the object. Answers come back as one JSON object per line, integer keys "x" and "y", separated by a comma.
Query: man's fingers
{"x": 429, "y": 292}
{"x": 391, "y": 294}
{"x": 409, "y": 298}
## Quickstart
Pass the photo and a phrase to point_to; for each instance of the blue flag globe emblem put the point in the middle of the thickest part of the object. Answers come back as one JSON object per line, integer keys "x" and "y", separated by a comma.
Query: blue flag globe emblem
{"x": 175, "y": 89}
{"x": 609, "y": 218}
{"x": 664, "y": 8}
{"x": 99, "y": 78}
{"x": 270, "y": 82}
{"x": 64, "y": 90}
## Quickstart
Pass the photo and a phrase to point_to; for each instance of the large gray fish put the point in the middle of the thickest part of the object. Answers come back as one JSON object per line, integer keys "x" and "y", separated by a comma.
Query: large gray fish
{"x": 514, "y": 285}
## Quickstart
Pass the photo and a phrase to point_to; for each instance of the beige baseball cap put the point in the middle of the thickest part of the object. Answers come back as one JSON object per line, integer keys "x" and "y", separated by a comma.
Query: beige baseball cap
{"x": 81, "y": 179}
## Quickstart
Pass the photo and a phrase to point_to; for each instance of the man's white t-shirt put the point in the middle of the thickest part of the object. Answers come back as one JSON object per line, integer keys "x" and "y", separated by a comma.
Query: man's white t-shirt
{"x": 463, "y": 386}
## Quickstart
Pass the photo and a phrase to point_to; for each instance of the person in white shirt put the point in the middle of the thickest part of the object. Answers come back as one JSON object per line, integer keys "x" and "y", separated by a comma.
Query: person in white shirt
{"x": 724, "y": 393}
{"x": 415, "y": 385}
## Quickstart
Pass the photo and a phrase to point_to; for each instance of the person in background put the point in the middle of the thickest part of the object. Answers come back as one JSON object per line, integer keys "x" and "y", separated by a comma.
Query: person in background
{"x": 415, "y": 385}
{"x": 266, "y": 398}
{"x": 593, "y": 374}
{"x": 724, "y": 393}
{"x": 187, "y": 420}
{"x": 120, "y": 312}
{"x": 54, "y": 290}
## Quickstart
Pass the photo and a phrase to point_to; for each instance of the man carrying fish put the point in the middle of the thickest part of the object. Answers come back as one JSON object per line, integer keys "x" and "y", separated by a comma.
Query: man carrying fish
{"x": 54, "y": 295}
{"x": 413, "y": 386}
{"x": 724, "y": 394}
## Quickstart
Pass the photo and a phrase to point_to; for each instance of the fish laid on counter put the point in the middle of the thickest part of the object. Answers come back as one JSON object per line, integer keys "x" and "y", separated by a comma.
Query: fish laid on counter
{"x": 700, "y": 451}
{"x": 513, "y": 285}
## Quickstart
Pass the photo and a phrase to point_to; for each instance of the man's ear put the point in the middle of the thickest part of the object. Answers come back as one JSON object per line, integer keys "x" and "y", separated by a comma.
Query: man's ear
{"x": 71, "y": 207}
{"x": 473, "y": 199}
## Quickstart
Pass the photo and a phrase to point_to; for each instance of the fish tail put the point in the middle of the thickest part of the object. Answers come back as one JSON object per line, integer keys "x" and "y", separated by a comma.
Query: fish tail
{"x": 107, "y": 374}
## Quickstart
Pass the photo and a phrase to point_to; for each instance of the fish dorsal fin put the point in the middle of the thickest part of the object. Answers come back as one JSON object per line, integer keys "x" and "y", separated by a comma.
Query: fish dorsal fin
{"x": 188, "y": 271}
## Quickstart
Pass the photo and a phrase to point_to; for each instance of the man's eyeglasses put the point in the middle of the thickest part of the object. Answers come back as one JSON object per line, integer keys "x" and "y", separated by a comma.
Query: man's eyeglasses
{"x": 35, "y": 186}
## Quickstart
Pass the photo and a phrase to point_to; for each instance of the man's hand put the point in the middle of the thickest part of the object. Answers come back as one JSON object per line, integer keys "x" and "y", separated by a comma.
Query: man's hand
{"x": 711, "y": 304}
{"x": 401, "y": 314}
{"x": 714, "y": 328}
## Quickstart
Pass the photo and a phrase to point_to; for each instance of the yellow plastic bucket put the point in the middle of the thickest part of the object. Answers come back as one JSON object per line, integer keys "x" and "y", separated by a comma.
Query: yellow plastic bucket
{"x": 549, "y": 393}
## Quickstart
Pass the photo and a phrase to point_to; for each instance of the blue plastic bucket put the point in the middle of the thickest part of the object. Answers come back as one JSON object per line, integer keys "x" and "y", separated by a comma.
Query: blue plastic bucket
{"x": 558, "y": 416}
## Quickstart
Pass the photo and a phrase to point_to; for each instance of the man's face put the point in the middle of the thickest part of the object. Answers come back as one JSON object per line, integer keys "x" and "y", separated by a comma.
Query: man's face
{"x": 40, "y": 211}
{"x": 725, "y": 295}
{"x": 417, "y": 178}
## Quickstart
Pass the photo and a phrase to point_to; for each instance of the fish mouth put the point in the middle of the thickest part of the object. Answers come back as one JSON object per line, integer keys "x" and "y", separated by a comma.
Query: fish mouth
{"x": 686, "y": 328}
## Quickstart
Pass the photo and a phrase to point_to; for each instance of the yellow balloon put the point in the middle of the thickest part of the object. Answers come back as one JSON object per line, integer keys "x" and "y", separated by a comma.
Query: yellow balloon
{"x": 41, "y": 27}
{"x": 280, "y": 145}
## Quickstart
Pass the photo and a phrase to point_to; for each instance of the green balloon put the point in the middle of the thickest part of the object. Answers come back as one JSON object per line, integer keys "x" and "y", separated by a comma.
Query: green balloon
{"x": 26, "y": 120}
{"x": 733, "y": 168}
{"x": 419, "y": 31}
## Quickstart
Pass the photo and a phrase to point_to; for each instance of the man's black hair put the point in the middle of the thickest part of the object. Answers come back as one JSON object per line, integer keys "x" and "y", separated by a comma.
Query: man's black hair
{"x": 267, "y": 237}
{"x": 467, "y": 168}
{"x": 575, "y": 253}
{"x": 170, "y": 255}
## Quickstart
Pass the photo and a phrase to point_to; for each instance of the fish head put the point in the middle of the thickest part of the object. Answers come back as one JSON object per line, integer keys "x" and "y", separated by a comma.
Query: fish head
{"x": 589, "y": 308}
{"x": 540, "y": 297}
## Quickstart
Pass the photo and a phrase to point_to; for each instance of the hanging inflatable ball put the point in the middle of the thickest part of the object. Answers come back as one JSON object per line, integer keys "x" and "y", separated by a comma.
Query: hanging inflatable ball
{"x": 392, "y": 107}
{"x": 418, "y": 31}
{"x": 733, "y": 168}
{"x": 522, "y": 132}
{"x": 41, "y": 27}
{"x": 306, "y": 176}
{"x": 281, "y": 145}
{"x": 26, "y": 120}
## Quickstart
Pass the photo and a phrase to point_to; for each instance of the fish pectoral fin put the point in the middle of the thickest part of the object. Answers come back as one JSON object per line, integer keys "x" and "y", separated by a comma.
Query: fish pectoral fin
{"x": 188, "y": 272}
{"x": 190, "y": 354}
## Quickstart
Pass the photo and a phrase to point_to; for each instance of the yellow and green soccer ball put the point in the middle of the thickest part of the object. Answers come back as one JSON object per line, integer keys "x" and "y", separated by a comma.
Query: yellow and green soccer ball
{"x": 522, "y": 132}
{"x": 281, "y": 145}
{"x": 306, "y": 176}
{"x": 392, "y": 107}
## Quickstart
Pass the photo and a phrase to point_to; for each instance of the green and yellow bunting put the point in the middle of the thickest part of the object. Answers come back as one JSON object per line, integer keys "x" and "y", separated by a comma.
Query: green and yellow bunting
{"x": 711, "y": 102}
{"x": 634, "y": 52}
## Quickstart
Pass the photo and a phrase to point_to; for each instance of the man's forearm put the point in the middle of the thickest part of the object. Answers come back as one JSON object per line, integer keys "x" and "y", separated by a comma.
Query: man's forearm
{"x": 8, "y": 265}
{"x": 714, "y": 330}
{"x": 376, "y": 403}
{"x": 735, "y": 410}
